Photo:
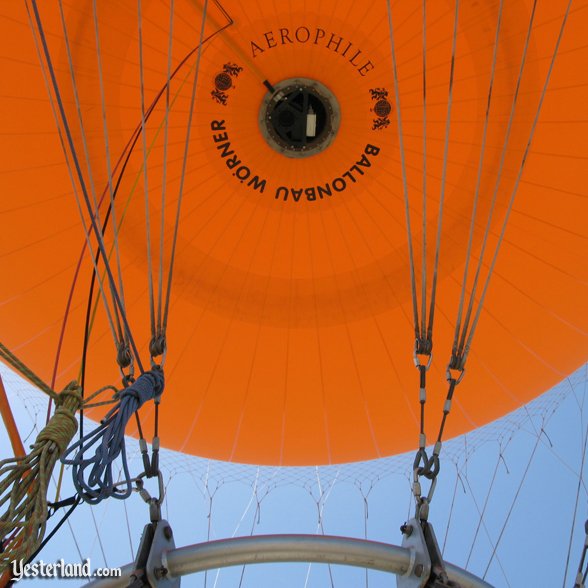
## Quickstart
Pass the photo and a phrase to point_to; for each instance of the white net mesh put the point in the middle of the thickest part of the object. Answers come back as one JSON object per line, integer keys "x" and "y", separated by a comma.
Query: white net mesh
{"x": 507, "y": 488}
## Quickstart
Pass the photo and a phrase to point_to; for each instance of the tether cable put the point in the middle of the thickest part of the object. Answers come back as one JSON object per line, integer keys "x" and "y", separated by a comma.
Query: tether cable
{"x": 403, "y": 171}
{"x": 429, "y": 333}
{"x": 423, "y": 328}
{"x": 518, "y": 179}
{"x": 107, "y": 158}
{"x": 159, "y": 327}
{"x": 83, "y": 187}
{"x": 184, "y": 166}
{"x": 463, "y": 333}
{"x": 71, "y": 174}
{"x": 575, "y": 512}
{"x": 422, "y": 335}
{"x": 456, "y": 367}
{"x": 146, "y": 175}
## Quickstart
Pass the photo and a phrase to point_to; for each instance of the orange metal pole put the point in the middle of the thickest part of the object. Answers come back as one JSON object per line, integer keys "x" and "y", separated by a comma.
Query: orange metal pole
{"x": 9, "y": 423}
{"x": 17, "y": 448}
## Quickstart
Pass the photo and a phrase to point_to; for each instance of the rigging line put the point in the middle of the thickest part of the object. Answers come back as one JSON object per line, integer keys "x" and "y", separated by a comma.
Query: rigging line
{"x": 81, "y": 180}
{"x": 324, "y": 496}
{"x": 579, "y": 403}
{"x": 321, "y": 508}
{"x": 16, "y": 364}
{"x": 184, "y": 165}
{"x": 78, "y": 107}
{"x": 422, "y": 335}
{"x": 253, "y": 497}
{"x": 95, "y": 258}
{"x": 514, "y": 501}
{"x": 484, "y": 506}
{"x": 92, "y": 187}
{"x": 443, "y": 174}
{"x": 248, "y": 506}
{"x": 451, "y": 509}
{"x": 129, "y": 530}
{"x": 410, "y": 499}
{"x": 89, "y": 317}
{"x": 403, "y": 168}
{"x": 478, "y": 179}
{"x": 108, "y": 163}
{"x": 235, "y": 48}
{"x": 583, "y": 398}
{"x": 241, "y": 577}
{"x": 580, "y": 481}
{"x": 124, "y": 159}
{"x": 71, "y": 175}
{"x": 518, "y": 178}
{"x": 498, "y": 180}
{"x": 129, "y": 149}
{"x": 163, "y": 184}
{"x": 75, "y": 540}
{"x": 365, "y": 523}
{"x": 55, "y": 529}
{"x": 87, "y": 232}
{"x": 59, "y": 483}
{"x": 499, "y": 561}
{"x": 209, "y": 528}
{"x": 98, "y": 537}
{"x": 549, "y": 447}
{"x": 145, "y": 175}
{"x": 255, "y": 519}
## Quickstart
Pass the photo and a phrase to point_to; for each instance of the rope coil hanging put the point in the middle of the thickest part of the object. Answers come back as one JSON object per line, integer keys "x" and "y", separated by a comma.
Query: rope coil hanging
{"x": 24, "y": 481}
{"x": 93, "y": 476}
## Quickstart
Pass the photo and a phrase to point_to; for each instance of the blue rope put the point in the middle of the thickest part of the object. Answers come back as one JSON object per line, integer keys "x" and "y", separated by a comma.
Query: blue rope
{"x": 109, "y": 438}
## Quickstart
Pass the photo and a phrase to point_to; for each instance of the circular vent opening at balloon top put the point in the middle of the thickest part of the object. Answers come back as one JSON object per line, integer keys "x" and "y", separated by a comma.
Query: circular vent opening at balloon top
{"x": 300, "y": 118}
{"x": 291, "y": 331}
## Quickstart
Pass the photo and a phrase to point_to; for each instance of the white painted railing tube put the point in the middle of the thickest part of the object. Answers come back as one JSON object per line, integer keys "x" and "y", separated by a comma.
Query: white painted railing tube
{"x": 289, "y": 548}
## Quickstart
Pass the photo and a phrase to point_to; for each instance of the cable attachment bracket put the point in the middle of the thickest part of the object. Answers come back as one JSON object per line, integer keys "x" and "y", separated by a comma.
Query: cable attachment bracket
{"x": 429, "y": 468}
{"x": 153, "y": 503}
{"x": 424, "y": 346}
{"x": 151, "y": 567}
{"x": 423, "y": 465}
{"x": 158, "y": 349}
{"x": 151, "y": 466}
{"x": 126, "y": 364}
{"x": 426, "y": 568}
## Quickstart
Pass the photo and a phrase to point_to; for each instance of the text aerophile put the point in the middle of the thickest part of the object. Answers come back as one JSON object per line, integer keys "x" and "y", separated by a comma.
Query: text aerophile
{"x": 317, "y": 36}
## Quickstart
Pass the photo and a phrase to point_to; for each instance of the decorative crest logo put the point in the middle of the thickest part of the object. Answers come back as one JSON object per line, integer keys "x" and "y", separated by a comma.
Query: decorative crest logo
{"x": 223, "y": 82}
{"x": 381, "y": 108}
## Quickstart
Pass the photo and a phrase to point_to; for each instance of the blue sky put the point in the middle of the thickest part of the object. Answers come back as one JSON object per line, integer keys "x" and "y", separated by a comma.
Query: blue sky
{"x": 216, "y": 500}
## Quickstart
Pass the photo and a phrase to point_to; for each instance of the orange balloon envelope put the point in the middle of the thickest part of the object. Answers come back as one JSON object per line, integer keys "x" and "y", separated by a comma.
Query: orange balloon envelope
{"x": 290, "y": 334}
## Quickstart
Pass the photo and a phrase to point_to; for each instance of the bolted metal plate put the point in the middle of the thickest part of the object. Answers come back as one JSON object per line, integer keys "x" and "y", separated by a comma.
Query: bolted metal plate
{"x": 419, "y": 569}
{"x": 157, "y": 568}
